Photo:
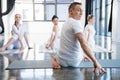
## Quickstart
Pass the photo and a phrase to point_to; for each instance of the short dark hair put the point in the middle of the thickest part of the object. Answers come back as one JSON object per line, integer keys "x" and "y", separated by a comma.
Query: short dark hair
{"x": 72, "y": 5}
{"x": 54, "y": 16}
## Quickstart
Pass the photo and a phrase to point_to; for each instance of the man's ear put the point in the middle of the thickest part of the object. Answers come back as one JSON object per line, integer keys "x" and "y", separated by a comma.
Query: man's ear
{"x": 71, "y": 11}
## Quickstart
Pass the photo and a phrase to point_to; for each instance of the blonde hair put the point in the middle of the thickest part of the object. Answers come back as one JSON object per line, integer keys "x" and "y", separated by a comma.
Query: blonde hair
{"x": 90, "y": 16}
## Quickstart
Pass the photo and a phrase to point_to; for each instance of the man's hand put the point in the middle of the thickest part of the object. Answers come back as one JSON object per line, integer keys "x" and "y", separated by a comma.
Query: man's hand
{"x": 98, "y": 68}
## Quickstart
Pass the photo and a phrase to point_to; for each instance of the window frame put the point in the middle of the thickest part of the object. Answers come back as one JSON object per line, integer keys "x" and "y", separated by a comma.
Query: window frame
{"x": 44, "y": 3}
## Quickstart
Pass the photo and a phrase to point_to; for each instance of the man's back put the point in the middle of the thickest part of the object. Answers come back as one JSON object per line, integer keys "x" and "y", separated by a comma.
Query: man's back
{"x": 70, "y": 48}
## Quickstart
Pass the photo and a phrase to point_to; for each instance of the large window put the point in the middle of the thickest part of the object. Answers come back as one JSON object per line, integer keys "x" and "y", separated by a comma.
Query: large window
{"x": 39, "y": 12}
{"x": 42, "y": 10}
{"x": 102, "y": 16}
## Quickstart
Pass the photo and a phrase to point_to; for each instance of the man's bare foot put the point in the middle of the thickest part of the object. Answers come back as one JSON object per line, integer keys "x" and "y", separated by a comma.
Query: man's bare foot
{"x": 55, "y": 64}
{"x": 2, "y": 49}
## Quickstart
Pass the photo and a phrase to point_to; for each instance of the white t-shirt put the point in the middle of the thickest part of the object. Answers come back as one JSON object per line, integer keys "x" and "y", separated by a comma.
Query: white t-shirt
{"x": 70, "y": 48}
{"x": 21, "y": 30}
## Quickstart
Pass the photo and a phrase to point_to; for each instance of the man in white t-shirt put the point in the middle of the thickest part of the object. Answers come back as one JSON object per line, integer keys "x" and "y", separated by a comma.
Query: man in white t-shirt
{"x": 72, "y": 42}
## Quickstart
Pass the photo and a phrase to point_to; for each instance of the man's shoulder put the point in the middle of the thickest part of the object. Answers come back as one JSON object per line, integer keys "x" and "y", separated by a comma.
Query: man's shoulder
{"x": 72, "y": 22}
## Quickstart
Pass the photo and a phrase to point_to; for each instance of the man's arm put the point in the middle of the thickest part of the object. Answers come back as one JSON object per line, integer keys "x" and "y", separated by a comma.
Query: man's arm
{"x": 88, "y": 51}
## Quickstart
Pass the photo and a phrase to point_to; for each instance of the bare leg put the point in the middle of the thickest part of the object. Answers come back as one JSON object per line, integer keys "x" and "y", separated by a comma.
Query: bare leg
{"x": 10, "y": 41}
{"x": 55, "y": 64}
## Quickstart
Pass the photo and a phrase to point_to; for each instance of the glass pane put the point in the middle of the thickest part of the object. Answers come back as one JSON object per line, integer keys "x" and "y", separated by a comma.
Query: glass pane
{"x": 38, "y": 1}
{"x": 109, "y": 1}
{"x": 62, "y": 11}
{"x": 64, "y": 1}
{"x": 50, "y": 1}
{"x": 109, "y": 10}
{"x": 23, "y": 1}
{"x": 39, "y": 12}
{"x": 50, "y": 11}
{"x": 3, "y": 5}
{"x": 26, "y": 10}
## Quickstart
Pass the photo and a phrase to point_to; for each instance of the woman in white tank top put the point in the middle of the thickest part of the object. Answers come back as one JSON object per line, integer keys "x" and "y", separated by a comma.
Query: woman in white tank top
{"x": 54, "y": 40}
{"x": 90, "y": 33}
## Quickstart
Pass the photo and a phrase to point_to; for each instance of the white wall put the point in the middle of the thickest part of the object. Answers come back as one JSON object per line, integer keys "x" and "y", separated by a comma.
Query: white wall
{"x": 40, "y": 30}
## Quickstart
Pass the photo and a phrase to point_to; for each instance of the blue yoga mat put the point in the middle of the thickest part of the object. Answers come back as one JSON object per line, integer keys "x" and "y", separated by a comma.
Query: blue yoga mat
{"x": 43, "y": 64}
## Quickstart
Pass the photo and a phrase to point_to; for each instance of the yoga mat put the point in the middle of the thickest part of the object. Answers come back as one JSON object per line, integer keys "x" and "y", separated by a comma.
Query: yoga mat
{"x": 45, "y": 51}
{"x": 97, "y": 49}
{"x": 30, "y": 64}
{"x": 101, "y": 49}
{"x": 14, "y": 51}
{"x": 43, "y": 64}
